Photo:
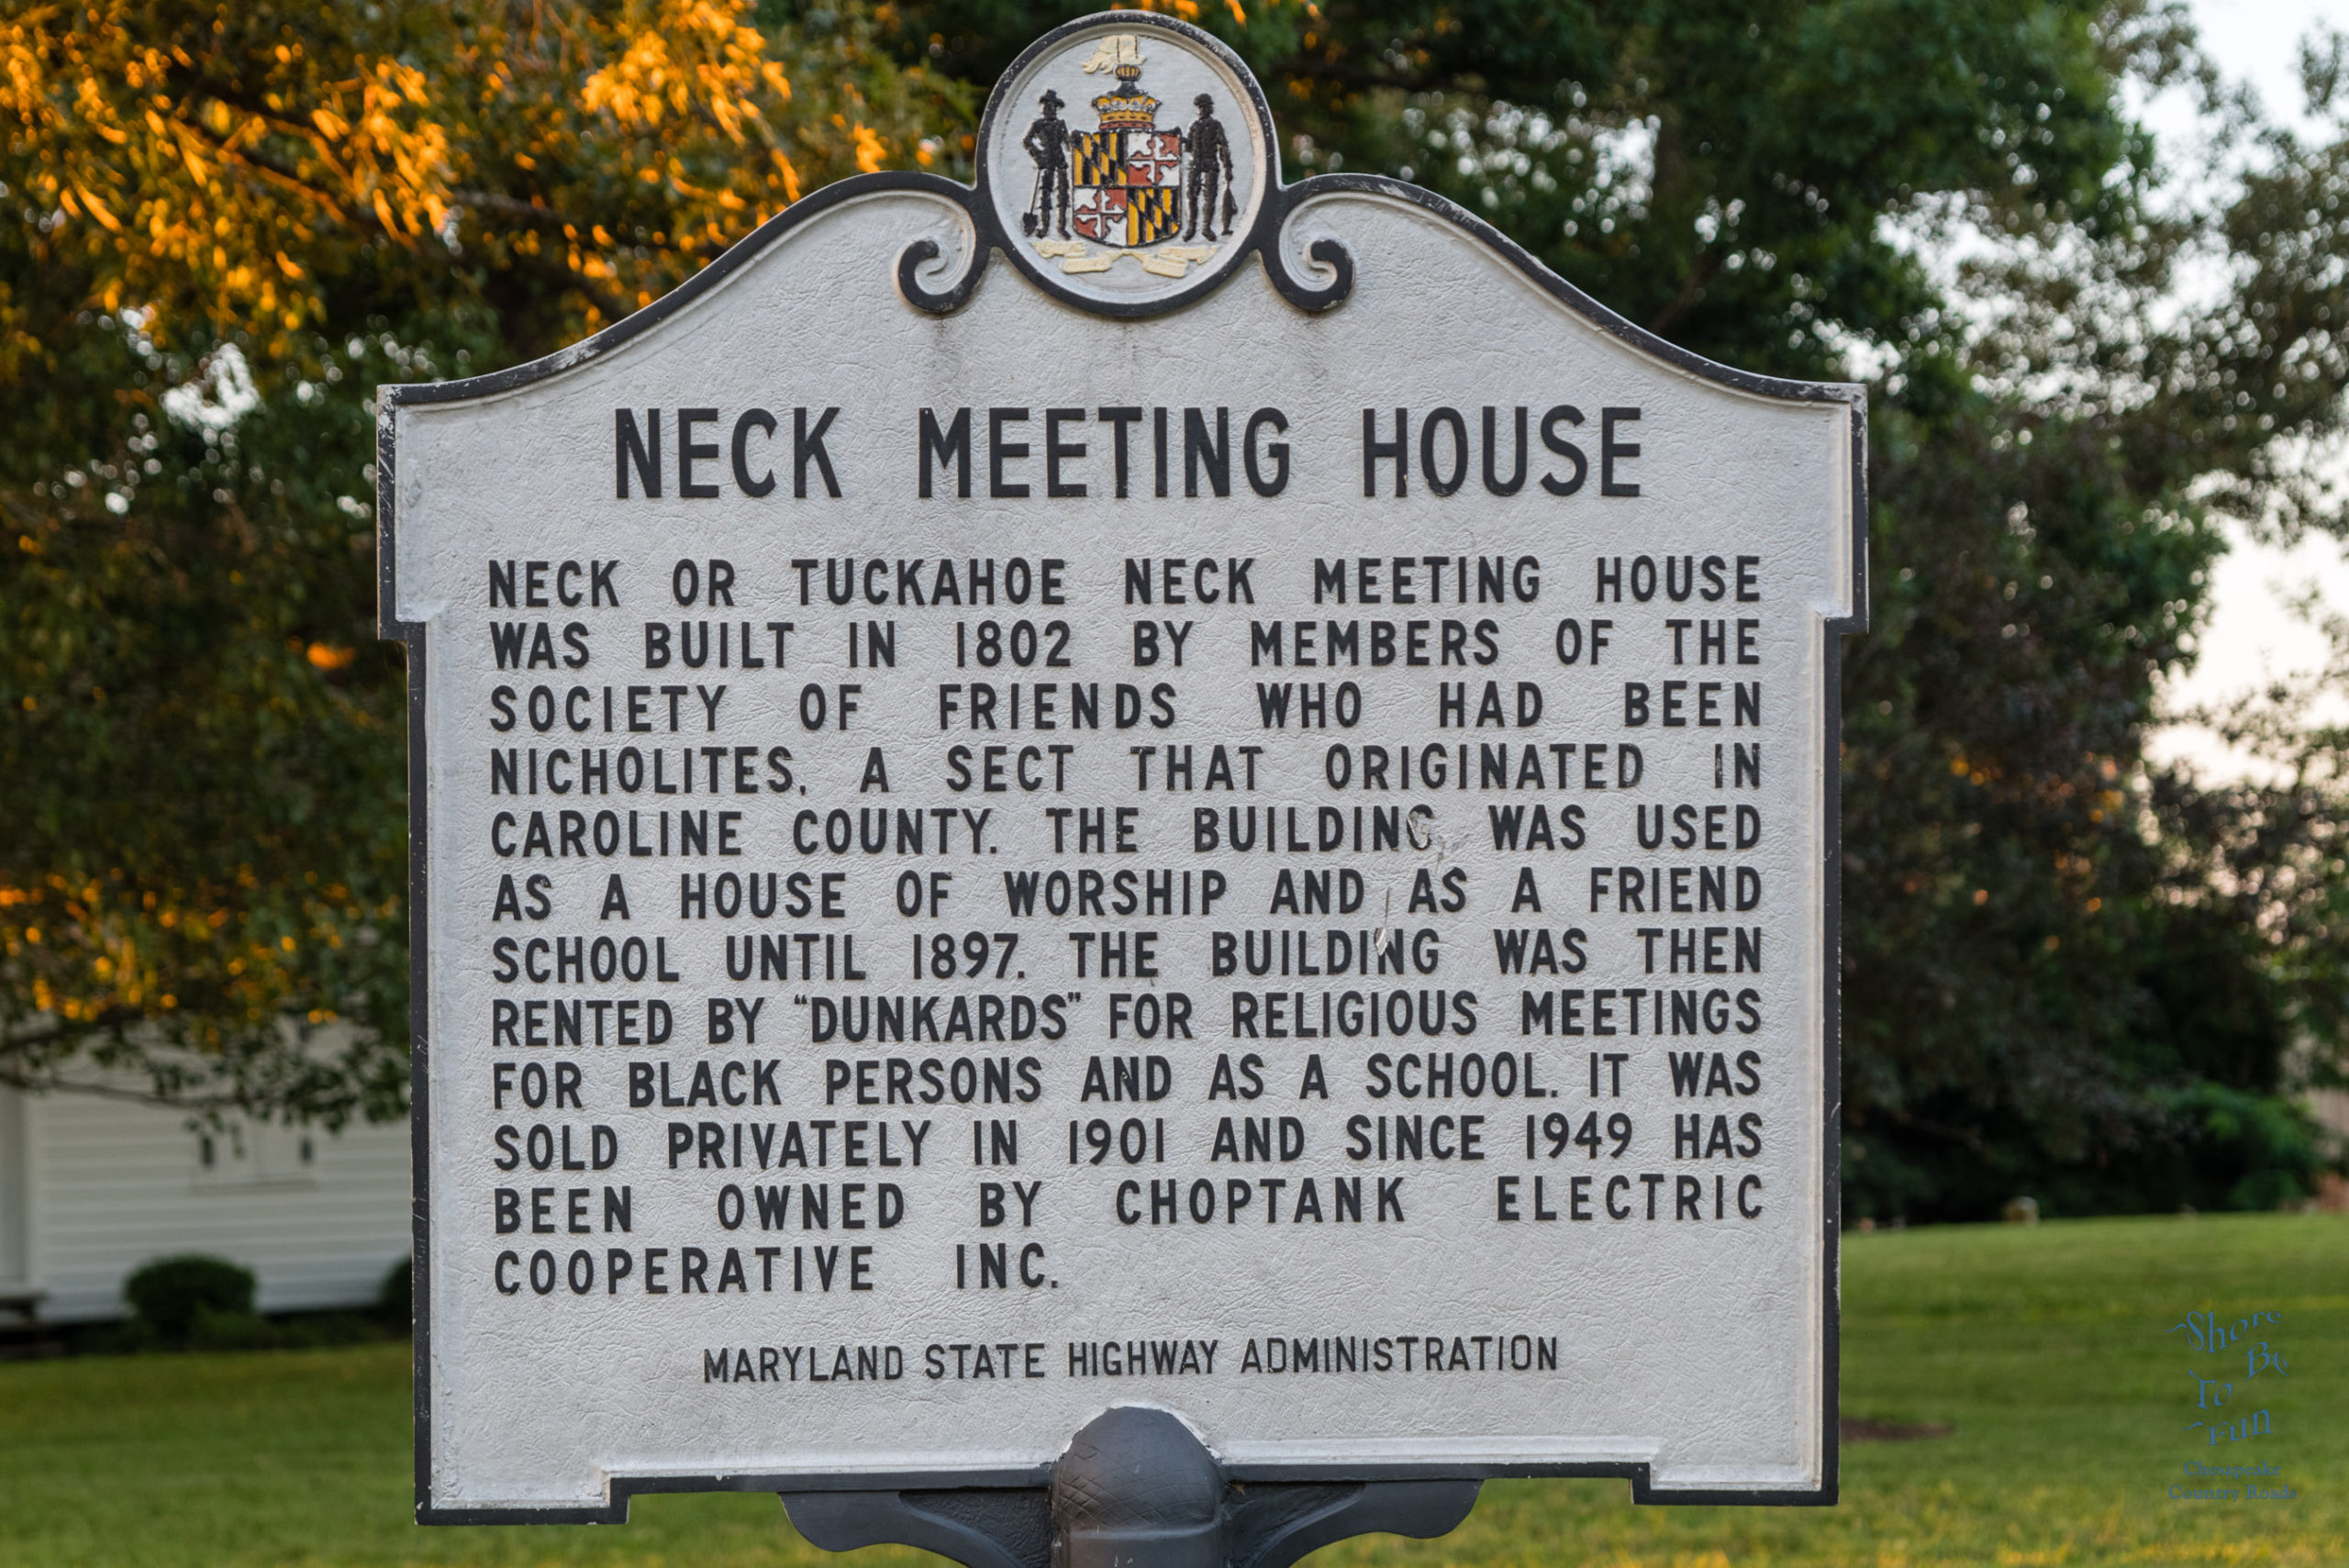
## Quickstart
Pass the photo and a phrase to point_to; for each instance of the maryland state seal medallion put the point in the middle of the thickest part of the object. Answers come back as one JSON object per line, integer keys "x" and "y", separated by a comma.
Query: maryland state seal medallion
{"x": 1139, "y": 157}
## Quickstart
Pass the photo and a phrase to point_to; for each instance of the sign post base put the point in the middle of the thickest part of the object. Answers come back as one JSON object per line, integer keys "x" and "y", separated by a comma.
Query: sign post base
{"x": 1135, "y": 1487}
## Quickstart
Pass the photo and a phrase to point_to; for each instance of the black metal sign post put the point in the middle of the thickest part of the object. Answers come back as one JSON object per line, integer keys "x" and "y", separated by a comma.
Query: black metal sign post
{"x": 1136, "y": 1489}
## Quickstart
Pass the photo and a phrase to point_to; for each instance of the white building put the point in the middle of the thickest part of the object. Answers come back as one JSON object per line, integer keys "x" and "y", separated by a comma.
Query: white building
{"x": 90, "y": 1188}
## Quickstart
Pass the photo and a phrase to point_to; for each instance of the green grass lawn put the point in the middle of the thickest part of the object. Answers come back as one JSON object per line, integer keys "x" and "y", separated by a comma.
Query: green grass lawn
{"x": 2041, "y": 1349}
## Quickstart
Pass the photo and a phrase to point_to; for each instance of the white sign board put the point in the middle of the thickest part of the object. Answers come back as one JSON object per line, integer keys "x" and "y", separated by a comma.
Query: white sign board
{"x": 1131, "y": 786}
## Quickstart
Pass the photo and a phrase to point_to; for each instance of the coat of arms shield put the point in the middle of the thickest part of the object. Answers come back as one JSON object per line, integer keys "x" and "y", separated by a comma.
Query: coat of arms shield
{"x": 1127, "y": 184}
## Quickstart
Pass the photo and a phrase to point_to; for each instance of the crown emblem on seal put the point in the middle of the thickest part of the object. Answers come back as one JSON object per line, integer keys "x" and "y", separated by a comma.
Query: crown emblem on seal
{"x": 1128, "y": 190}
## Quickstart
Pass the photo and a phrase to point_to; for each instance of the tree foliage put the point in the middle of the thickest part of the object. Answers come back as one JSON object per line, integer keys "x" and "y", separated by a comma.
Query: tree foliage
{"x": 227, "y": 224}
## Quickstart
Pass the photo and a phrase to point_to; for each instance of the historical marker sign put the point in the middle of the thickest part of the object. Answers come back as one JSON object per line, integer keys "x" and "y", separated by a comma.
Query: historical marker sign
{"x": 1131, "y": 786}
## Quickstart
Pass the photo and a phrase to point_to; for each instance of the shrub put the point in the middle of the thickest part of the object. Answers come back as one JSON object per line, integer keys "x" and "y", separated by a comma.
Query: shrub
{"x": 174, "y": 1296}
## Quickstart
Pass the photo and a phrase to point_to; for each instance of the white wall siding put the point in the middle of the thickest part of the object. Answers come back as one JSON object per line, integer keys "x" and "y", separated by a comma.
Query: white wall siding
{"x": 15, "y": 1213}
{"x": 113, "y": 1185}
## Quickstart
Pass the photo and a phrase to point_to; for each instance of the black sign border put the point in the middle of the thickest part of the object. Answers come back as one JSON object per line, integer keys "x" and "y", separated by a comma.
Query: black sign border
{"x": 1278, "y": 203}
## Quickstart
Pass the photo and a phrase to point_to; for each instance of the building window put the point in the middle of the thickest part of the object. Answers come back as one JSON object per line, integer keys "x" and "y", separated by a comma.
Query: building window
{"x": 246, "y": 1156}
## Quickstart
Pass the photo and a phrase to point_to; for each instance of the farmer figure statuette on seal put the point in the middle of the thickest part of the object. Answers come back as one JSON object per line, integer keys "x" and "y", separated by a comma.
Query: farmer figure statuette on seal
{"x": 1047, "y": 143}
{"x": 1210, "y": 172}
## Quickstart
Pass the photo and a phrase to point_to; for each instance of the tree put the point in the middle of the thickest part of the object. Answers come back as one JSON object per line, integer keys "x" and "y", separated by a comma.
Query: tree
{"x": 230, "y": 222}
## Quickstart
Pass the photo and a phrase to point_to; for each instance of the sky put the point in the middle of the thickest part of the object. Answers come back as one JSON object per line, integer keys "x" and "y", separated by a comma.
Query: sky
{"x": 2252, "y": 635}
{"x": 2254, "y": 40}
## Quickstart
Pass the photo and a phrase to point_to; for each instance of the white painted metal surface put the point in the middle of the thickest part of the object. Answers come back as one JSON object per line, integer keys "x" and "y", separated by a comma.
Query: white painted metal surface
{"x": 1606, "y": 1320}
